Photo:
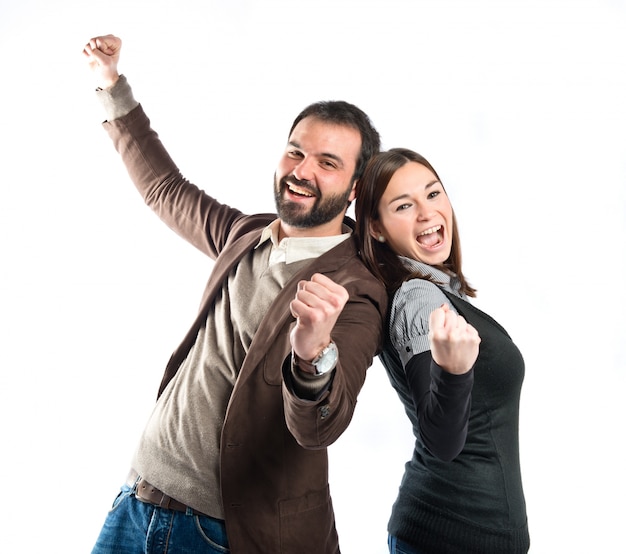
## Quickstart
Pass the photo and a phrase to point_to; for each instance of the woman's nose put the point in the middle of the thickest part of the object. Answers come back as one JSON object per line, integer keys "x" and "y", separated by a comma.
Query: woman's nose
{"x": 424, "y": 212}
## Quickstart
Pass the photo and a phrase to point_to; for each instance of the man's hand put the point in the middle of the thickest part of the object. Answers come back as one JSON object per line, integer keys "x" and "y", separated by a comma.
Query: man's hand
{"x": 316, "y": 307}
{"x": 453, "y": 342}
{"x": 103, "y": 55}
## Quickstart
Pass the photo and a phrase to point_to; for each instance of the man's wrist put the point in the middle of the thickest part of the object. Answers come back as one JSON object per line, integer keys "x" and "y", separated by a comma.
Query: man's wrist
{"x": 109, "y": 83}
{"x": 301, "y": 364}
{"x": 324, "y": 362}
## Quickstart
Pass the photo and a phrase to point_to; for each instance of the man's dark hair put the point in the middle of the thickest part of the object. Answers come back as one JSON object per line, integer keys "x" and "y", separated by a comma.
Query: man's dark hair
{"x": 344, "y": 113}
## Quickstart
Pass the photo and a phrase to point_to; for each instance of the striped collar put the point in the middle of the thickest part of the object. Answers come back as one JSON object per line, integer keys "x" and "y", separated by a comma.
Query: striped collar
{"x": 448, "y": 281}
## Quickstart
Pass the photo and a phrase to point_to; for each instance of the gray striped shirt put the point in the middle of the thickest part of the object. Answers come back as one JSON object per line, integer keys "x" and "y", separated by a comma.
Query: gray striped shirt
{"x": 411, "y": 307}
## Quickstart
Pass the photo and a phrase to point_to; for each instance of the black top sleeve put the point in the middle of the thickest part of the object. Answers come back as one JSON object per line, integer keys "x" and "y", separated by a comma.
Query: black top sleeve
{"x": 443, "y": 402}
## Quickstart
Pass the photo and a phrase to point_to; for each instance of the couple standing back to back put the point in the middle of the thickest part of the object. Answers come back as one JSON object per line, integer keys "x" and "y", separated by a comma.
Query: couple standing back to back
{"x": 233, "y": 457}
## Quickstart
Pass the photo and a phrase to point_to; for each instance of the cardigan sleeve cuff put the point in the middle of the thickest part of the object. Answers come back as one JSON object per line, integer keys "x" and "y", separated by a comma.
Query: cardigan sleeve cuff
{"x": 117, "y": 100}
{"x": 305, "y": 385}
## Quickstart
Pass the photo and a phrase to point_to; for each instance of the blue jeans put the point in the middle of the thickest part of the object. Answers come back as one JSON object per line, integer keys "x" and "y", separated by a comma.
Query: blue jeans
{"x": 396, "y": 546}
{"x": 136, "y": 527}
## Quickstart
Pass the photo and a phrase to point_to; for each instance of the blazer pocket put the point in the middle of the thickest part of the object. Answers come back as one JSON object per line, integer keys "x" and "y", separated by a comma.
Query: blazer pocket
{"x": 307, "y": 524}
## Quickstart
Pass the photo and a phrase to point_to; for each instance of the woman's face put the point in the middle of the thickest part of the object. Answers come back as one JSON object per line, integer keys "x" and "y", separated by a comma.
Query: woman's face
{"x": 416, "y": 215}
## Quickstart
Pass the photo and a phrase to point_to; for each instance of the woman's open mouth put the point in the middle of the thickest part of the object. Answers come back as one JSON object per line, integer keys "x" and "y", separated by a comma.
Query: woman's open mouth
{"x": 431, "y": 238}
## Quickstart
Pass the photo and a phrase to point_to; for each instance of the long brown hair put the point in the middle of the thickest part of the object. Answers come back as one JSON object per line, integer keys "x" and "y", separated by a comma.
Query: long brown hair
{"x": 381, "y": 260}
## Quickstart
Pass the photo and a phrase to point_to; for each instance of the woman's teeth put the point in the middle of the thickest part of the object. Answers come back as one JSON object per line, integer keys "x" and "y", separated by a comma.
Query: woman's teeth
{"x": 430, "y": 231}
{"x": 430, "y": 238}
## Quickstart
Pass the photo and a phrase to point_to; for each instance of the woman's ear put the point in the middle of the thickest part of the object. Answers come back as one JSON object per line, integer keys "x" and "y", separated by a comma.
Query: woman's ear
{"x": 375, "y": 230}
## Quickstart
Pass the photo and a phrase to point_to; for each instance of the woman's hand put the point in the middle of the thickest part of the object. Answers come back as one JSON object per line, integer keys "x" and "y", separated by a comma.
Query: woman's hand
{"x": 453, "y": 342}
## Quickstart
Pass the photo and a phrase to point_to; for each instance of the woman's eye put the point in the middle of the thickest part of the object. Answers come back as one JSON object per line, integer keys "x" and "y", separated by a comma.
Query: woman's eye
{"x": 402, "y": 207}
{"x": 434, "y": 194}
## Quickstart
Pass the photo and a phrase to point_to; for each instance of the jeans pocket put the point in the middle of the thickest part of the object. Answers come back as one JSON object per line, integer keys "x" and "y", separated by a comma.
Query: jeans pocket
{"x": 396, "y": 546}
{"x": 124, "y": 493}
{"x": 213, "y": 532}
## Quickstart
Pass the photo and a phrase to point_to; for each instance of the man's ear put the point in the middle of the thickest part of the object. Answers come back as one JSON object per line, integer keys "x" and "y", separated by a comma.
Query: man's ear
{"x": 353, "y": 191}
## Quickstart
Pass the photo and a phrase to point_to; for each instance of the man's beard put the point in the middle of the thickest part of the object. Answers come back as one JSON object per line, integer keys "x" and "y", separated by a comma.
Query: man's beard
{"x": 323, "y": 210}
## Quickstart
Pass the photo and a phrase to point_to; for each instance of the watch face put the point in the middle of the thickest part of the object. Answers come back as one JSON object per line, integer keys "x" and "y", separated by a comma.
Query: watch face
{"x": 327, "y": 359}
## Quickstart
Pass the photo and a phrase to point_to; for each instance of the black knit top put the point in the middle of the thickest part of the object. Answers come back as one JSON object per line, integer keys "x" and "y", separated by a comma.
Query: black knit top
{"x": 474, "y": 503}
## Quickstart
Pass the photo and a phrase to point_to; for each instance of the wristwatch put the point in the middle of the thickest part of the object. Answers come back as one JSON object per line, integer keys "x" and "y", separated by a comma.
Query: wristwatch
{"x": 324, "y": 362}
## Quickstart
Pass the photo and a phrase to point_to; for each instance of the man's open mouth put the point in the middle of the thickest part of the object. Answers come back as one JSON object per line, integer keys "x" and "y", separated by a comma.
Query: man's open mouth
{"x": 300, "y": 189}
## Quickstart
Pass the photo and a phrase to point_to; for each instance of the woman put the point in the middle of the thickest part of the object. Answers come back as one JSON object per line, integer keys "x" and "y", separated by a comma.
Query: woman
{"x": 455, "y": 369}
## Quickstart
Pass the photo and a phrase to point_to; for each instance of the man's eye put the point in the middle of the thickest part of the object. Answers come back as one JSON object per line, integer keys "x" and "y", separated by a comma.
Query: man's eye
{"x": 294, "y": 154}
{"x": 329, "y": 164}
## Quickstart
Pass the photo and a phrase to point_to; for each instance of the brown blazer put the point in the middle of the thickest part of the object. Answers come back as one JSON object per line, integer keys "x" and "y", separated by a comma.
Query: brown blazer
{"x": 274, "y": 463}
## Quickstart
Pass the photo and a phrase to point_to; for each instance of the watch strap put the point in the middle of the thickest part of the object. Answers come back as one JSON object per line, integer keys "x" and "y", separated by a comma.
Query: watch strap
{"x": 312, "y": 367}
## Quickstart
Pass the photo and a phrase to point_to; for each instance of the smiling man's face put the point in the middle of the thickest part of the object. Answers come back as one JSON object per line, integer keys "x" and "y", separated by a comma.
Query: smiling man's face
{"x": 313, "y": 183}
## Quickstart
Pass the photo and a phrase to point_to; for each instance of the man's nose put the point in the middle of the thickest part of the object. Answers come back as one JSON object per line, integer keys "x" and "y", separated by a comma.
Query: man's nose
{"x": 304, "y": 170}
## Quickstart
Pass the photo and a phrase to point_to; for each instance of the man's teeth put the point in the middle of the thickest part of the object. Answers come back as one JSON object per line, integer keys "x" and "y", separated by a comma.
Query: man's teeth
{"x": 299, "y": 191}
{"x": 430, "y": 231}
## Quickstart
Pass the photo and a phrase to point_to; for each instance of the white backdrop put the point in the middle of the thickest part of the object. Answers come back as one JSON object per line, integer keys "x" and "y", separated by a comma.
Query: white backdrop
{"x": 520, "y": 107}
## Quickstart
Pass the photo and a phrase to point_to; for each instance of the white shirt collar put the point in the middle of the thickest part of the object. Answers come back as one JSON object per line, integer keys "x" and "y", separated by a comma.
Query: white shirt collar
{"x": 294, "y": 249}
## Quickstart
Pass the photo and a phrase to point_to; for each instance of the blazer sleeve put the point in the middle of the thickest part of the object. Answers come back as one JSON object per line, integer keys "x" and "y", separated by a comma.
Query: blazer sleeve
{"x": 185, "y": 208}
{"x": 358, "y": 333}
